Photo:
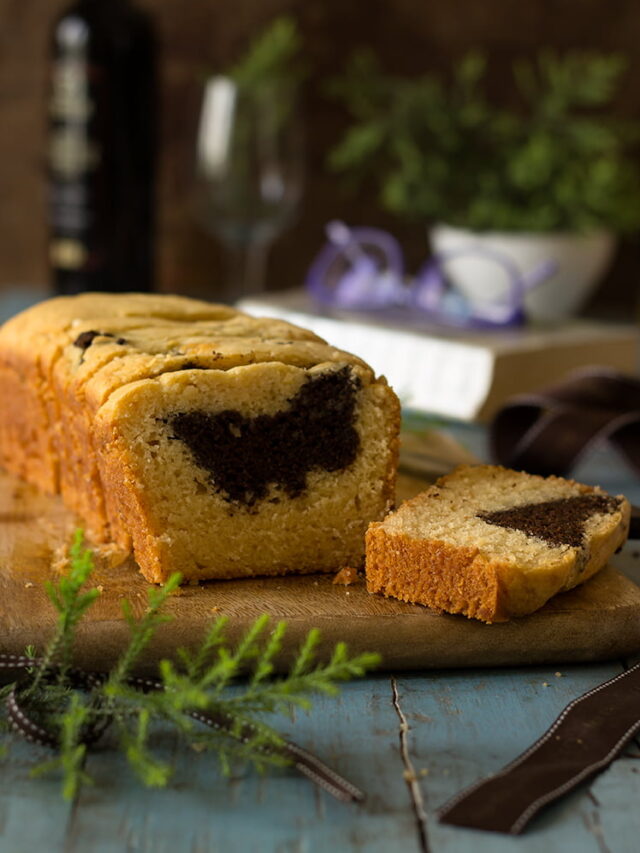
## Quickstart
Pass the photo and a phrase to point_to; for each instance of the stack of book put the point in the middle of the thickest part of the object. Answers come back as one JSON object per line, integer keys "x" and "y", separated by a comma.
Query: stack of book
{"x": 465, "y": 375}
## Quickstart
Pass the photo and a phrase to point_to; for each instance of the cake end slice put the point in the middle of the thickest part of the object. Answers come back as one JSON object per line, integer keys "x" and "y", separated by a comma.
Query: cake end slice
{"x": 492, "y": 544}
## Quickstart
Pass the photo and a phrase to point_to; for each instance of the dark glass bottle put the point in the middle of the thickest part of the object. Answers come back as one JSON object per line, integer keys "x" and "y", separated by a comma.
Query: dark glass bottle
{"x": 102, "y": 134}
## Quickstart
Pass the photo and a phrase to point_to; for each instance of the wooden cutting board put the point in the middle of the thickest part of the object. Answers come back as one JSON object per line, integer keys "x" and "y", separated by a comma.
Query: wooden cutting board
{"x": 596, "y": 621}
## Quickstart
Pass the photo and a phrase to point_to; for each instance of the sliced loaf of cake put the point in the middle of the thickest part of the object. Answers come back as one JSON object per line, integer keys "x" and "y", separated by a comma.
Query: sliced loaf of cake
{"x": 211, "y": 442}
{"x": 491, "y": 543}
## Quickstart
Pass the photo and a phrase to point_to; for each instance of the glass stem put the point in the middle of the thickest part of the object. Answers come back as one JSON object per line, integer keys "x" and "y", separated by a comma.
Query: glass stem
{"x": 246, "y": 264}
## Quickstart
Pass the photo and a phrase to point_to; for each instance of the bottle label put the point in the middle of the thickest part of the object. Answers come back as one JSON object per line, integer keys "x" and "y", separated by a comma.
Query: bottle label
{"x": 71, "y": 152}
{"x": 99, "y": 148}
{"x": 70, "y": 99}
{"x": 68, "y": 254}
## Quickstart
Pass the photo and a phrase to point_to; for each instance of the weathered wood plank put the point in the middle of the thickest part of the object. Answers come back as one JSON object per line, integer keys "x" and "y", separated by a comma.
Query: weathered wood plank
{"x": 34, "y": 528}
{"x": 455, "y": 720}
{"x": 33, "y": 815}
{"x": 465, "y": 726}
{"x": 201, "y": 811}
{"x": 610, "y": 810}
{"x": 628, "y": 562}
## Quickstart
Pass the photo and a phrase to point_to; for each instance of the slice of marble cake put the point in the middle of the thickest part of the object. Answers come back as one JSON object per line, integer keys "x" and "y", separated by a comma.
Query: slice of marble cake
{"x": 492, "y": 543}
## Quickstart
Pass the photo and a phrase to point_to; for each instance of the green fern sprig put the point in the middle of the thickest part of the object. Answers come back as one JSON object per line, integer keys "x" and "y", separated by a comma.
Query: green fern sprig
{"x": 71, "y": 603}
{"x": 195, "y": 665}
{"x": 230, "y": 685}
{"x": 72, "y": 752}
{"x": 151, "y": 772}
{"x": 142, "y": 630}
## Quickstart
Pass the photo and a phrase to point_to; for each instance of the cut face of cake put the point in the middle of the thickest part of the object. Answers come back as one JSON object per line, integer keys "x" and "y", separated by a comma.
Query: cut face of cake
{"x": 215, "y": 444}
{"x": 261, "y": 469}
{"x": 492, "y": 543}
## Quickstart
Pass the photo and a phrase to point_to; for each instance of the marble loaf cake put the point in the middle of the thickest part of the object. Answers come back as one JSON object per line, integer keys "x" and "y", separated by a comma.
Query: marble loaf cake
{"x": 210, "y": 442}
{"x": 493, "y": 543}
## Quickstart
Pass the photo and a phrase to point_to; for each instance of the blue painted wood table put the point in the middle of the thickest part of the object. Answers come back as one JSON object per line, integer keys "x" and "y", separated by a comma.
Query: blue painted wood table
{"x": 410, "y": 741}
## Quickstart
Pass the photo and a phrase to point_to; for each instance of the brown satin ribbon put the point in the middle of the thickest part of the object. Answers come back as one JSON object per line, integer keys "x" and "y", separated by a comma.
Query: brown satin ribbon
{"x": 549, "y": 431}
{"x": 586, "y": 737}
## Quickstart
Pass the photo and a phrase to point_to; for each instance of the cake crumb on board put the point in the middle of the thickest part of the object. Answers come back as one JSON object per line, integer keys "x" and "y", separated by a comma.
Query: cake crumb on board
{"x": 346, "y": 576}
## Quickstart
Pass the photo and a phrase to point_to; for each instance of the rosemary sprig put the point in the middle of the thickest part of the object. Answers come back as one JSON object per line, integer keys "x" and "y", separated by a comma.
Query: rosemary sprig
{"x": 71, "y": 709}
{"x": 71, "y": 603}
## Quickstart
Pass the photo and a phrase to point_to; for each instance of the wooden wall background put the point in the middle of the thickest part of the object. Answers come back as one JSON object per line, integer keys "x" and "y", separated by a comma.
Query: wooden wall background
{"x": 410, "y": 35}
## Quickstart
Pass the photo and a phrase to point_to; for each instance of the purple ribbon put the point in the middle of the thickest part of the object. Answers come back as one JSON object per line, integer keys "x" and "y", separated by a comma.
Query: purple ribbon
{"x": 363, "y": 269}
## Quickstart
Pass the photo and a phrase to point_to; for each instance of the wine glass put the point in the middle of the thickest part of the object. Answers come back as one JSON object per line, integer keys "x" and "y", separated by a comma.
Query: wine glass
{"x": 249, "y": 174}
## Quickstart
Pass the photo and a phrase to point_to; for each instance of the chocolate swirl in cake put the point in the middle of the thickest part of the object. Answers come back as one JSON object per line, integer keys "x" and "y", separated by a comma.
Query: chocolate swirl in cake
{"x": 559, "y": 522}
{"x": 244, "y": 456}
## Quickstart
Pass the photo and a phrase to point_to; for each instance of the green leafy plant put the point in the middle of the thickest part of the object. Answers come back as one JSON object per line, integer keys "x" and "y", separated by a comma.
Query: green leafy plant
{"x": 71, "y": 709}
{"x": 440, "y": 151}
{"x": 272, "y": 58}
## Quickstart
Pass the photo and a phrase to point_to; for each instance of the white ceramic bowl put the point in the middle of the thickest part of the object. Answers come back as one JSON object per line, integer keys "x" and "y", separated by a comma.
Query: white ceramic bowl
{"x": 580, "y": 259}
